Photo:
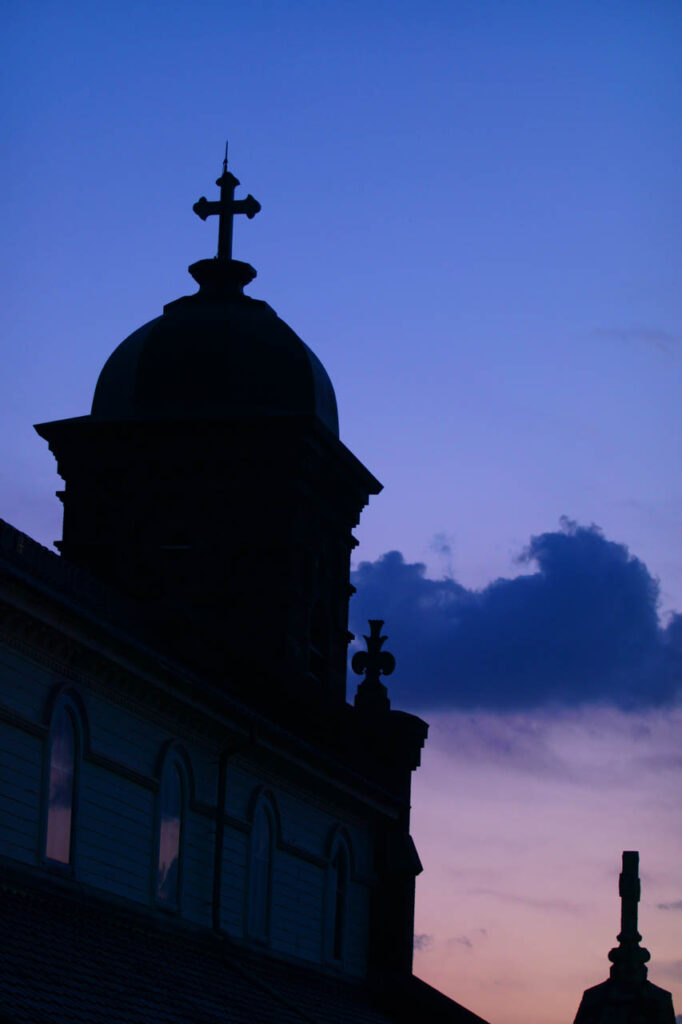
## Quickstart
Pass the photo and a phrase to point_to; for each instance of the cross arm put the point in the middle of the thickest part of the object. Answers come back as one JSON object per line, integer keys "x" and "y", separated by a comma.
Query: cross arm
{"x": 249, "y": 206}
{"x": 203, "y": 208}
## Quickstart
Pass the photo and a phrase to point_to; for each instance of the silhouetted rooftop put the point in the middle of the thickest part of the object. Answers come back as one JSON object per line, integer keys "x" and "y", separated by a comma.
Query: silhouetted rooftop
{"x": 66, "y": 957}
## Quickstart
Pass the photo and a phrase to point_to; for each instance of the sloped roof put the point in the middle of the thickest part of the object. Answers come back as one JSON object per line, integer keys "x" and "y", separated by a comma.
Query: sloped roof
{"x": 611, "y": 1003}
{"x": 69, "y": 957}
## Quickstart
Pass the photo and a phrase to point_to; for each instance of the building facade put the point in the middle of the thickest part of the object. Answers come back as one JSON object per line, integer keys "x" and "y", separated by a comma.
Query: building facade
{"x": 195, "y": 824}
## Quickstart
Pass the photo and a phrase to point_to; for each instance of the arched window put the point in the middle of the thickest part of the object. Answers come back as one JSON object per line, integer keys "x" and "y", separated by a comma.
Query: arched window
{"x": 338, "y": 880}
{"x": 171, "y": 826}
{"x": 62, "y": 779}
{"x": 260, "y": 871}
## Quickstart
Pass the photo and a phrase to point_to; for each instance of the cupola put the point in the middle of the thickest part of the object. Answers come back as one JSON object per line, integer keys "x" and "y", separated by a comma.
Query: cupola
{"x": 218, "y": 353}
{"x": 209, "y": 482}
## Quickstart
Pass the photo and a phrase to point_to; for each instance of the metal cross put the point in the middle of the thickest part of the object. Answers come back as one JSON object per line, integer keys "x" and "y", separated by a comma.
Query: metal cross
{"x": 225, "y": 208}
{"x": 629, "y": 892}
{"x": 628, "y": 957}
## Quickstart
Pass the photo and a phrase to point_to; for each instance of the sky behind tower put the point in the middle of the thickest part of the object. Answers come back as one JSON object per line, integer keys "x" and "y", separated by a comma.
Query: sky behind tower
{"x": 471, "y": 212}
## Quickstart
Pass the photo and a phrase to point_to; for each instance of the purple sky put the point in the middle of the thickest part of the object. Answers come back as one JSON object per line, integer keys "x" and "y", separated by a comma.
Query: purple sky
{"x": 471, "y": 212}
{"x": 521, "y": 821}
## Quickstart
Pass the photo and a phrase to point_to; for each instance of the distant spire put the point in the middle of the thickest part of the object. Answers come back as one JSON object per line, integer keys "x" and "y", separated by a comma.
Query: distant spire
{"x": 628, "y": 957}
{"x": 627, "y": 997}
{"x": 372, "y": 695}
{"x": 226, "y": 207}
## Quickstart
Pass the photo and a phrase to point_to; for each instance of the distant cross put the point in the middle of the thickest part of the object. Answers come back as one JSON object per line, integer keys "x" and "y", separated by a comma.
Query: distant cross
{"x": 225, "y": 208}
{"x": 628, "y": 957}
{"x": 629, "y": 891}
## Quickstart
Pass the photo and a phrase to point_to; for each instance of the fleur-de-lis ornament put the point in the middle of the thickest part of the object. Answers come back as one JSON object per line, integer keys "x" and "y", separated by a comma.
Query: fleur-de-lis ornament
{"x": 372, "y": 694}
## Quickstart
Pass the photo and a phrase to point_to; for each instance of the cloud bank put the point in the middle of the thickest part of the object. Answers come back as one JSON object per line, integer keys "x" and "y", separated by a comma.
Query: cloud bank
{"x": 581, "y": 628}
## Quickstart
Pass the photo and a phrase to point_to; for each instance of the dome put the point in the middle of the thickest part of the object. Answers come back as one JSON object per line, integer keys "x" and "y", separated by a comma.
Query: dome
{"x": 215, "y": 355}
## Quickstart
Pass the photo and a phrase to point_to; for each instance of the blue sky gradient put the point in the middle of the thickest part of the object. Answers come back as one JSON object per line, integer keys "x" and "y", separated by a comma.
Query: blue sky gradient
{"x": 471, "y": 212}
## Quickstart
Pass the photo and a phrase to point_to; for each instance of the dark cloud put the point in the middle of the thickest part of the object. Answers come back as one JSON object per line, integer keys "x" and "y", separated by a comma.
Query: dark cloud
{"x": 676, "y": 905}
{"x": 580, "y": 627}
{"x": 422, "y": 942}
{"x": 468, "y": 941}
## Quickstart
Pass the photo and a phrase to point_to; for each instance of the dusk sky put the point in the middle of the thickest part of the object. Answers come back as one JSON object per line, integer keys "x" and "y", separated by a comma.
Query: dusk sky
{"x": 471, "y": 211}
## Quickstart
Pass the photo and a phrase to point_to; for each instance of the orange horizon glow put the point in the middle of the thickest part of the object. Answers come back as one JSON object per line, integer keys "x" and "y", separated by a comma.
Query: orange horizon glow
{"x": 521, "y": 844}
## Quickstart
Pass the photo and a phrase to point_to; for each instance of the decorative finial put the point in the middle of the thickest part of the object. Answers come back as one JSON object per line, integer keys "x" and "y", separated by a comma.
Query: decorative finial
{"x": 628, "y": 957}
{"x": 372, "y": 695}
{"x": 226, "y": 207}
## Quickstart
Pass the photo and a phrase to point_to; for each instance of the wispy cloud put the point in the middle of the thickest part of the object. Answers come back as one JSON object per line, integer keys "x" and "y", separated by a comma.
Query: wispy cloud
{"x": 664, "y": 341}
{"x": 442, "y": 547}
{"x": 468, "y": 941}
{"x": 580, "y": 747}
{"x": 423, "y": 942}
{"x": 675, "y": 905}
{"x": 521, "y": 741}
{"x": 561, "y": 906}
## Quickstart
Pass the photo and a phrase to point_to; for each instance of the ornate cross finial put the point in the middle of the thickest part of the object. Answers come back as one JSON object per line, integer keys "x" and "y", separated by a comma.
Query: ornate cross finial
{"x": 226, "y": 207}
{"x": 628, "y": 958}
{"x": 629, "y": 890}
{"x": 372, "y": 694}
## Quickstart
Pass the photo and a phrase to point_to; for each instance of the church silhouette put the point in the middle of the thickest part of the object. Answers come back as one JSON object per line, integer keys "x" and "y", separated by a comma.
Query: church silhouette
{"x": 195, "y": 824}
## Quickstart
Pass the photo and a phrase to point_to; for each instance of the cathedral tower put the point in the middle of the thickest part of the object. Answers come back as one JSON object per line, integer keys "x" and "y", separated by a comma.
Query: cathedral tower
{"x": 209, "y": 484}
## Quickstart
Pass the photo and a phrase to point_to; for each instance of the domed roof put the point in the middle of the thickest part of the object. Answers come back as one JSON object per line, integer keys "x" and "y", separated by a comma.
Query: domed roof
{"x": 214, "y": 355}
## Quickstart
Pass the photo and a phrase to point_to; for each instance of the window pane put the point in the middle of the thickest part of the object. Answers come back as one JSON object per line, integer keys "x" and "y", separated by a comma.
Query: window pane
{"x": 261, "y": 857}
{"x": 61, "y": 787}
{"x": 170, "y": 825}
